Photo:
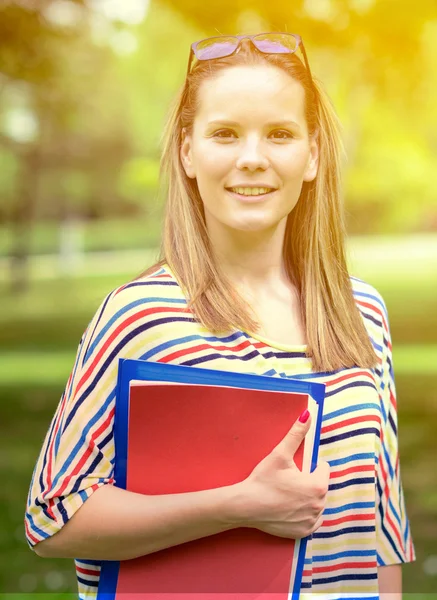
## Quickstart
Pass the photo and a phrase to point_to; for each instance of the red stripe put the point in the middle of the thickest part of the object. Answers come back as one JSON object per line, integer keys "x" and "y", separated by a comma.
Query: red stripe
{"x": 393, "y": 398}
{"x": 356, "y": 469}
{"x": 348, "y": 518}
{"x": 87, "y": 453}
{"x": 29, "y": 535}
{"x": 394, "y": 527}
{"x": 377, "y": 309}
{"x": 351, "y": 565}
{"x": 352, "y": 421}
{"x": 384, "y": 473}
{"x": 194, "y": 349}
{"x": 346, "y": 376}
{"x": 50, "y": 506}
{"x": 49, "y": 451}
{"x": 121, "y": 327}
{"x": 88, "y": 571}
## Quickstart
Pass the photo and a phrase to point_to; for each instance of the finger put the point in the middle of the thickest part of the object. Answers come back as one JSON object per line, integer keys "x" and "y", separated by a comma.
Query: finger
{"x": 293, "y": 439}
{"x": 323, "y": 470}
{"x": 318, "y": 523}
{"x": 321, "y": 474}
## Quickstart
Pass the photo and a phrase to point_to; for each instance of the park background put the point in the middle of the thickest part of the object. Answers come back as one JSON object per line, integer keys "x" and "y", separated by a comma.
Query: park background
{"x": 84, "y": 90}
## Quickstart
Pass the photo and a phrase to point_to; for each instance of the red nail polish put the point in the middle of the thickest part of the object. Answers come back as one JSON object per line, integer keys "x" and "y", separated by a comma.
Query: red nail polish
{"x": 304, "y": 416}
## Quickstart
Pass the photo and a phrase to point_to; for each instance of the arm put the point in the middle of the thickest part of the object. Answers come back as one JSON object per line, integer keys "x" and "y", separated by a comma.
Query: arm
{"x": 390, "y": 582}
{"x": 115, "y": 524}
{"x": 73, "y": 508}
{"x": 394, "y": 544}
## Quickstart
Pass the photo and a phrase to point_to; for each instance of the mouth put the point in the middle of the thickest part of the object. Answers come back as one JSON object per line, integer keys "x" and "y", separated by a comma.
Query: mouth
{"x": 251, "y": 194}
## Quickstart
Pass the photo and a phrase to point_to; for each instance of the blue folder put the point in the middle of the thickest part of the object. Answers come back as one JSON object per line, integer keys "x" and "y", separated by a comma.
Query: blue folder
{"x": 140, "y": 370}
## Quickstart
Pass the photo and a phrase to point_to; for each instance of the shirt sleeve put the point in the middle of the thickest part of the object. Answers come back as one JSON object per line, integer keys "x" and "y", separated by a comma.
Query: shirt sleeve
{"x": 77, "y": 456}
{"x": 393, "y": 535}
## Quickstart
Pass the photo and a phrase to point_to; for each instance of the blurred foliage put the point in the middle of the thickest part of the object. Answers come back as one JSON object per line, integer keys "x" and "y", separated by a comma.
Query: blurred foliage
{"x": 84, "y": 93}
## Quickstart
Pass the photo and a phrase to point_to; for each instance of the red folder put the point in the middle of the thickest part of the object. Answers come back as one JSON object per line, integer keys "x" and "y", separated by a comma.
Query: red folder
{"x": 186, "y": 438}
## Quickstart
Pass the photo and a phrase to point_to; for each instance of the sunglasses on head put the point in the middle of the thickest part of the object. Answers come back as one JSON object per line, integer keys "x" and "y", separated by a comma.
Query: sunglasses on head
{"x": 268, "y": 43}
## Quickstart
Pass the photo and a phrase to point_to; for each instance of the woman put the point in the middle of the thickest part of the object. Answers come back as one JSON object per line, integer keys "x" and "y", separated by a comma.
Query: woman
{"x": 253, "y": 279}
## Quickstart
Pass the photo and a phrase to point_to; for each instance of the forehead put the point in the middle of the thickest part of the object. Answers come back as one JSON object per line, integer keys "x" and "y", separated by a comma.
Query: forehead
{"x": 253, "y": 92}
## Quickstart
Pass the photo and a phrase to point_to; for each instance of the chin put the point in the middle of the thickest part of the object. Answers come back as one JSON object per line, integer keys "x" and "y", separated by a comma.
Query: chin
{"x": 259, "y": 225}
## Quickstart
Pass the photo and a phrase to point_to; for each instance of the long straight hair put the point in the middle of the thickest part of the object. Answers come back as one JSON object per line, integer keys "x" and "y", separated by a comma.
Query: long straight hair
{"x": 314, "y": 243}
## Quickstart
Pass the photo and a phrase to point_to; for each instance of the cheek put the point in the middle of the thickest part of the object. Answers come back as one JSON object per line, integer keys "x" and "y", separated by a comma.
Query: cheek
{"x": 211, "y": 167}
{"x": 292, "y": 162}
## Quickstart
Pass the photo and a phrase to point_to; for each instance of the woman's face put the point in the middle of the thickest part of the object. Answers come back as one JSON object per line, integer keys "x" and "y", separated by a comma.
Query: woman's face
{"x": 249, "y": 137}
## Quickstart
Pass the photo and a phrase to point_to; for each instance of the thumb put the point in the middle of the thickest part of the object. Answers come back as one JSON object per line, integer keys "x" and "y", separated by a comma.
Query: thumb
{"x": 293, "y": 439}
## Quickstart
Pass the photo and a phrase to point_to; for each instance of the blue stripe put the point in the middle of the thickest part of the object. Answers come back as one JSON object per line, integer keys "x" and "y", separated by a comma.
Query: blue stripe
{"x": 345, "y": 554}
{"x": 342, "y": 461}
{"x": 281, "y": 354}
{"x": 375, "y": 297}
{"x": 374, "y": 320}
{"x": 352, "y": 505}
{"x": 349, "y": 409}
{"x": 94, "y": 563}
{"x": 35, "y": 528}
{"x": 352, "y": 384}
{"x": 105, "y": 303}
{"x": 392, "y": 508}
{"x": 122, "y": 311}
{"x": 81, "y": 444}
{"x": 51, "y": 430}
{"x": 184, "y": 340}
{"x": 114, "y": 354}
{"x": 344, "y": 531}
{"x": 87, "y": 581}
{"x": 350, "y": 434}
{"x": 216, "y": 355}
{"x": 387, "y": 535}
{"x": 345, "y": 577}
{"x": 358, "y": 481}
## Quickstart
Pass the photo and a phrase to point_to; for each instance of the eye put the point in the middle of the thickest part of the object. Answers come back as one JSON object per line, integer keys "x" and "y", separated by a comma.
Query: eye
{"x": 224, "y": 134}
{"x": 282, "y": 134}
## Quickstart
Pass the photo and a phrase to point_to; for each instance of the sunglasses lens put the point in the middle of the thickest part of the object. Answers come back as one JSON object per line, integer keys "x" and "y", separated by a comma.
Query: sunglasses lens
{"x": 275, "y": 43}
{"x": 215, "y": 48}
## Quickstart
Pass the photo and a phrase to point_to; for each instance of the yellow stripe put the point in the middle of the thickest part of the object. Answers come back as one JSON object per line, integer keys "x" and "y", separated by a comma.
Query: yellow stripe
{"x": 345, "y": 497}
{"x": 345, "y": 543}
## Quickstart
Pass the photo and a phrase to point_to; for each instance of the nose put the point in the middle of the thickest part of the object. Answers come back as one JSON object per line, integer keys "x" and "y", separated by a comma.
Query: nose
{"x": 252, "y": 156}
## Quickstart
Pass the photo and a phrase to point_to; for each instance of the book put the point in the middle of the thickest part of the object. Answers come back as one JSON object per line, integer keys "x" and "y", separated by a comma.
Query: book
{"x": 184, "y": 429}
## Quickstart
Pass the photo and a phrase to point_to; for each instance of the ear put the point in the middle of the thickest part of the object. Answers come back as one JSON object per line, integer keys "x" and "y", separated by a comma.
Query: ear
{"x": 186, "y": 154}
{"x": 313, "y": 160}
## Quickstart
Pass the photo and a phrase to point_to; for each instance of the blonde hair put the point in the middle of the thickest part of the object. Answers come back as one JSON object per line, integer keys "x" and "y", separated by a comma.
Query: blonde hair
{"x": 314, "y": 243}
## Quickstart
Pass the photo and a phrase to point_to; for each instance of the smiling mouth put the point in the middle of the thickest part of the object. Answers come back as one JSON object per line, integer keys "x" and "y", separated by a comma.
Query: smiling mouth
{"x": 251, "y": 191}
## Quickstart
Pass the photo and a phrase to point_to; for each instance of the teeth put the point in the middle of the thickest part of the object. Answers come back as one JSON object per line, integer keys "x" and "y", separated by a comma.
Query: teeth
{"x": 251, "y": 191}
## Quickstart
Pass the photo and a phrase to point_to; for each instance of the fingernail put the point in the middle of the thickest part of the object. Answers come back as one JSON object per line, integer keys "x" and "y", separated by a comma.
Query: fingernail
{"x": 304, "y": 416}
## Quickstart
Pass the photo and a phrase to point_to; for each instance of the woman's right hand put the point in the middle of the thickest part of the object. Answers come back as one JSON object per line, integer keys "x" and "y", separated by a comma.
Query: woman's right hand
{"x": 281, "y": 500}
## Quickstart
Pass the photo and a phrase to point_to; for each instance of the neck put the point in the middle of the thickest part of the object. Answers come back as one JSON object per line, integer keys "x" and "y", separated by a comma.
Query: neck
{"x": 252, "y": 260}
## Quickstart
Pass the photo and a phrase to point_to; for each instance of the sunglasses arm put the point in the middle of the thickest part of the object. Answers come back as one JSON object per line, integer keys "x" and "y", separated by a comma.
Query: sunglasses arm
{"x": 306, "y": 61}
{"x": 190, "y": 60}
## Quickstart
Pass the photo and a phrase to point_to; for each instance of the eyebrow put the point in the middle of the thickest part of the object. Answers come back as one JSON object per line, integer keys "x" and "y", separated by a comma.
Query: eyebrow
{"x": 285, "y": 123}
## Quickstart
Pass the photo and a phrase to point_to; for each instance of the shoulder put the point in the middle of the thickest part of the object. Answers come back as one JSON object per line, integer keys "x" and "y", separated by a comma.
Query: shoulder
{"x": 137, "y": 308}
{"x": 157, "y": 289}
{"x": 157, "y": 286}
{"x": 373, "y": 309}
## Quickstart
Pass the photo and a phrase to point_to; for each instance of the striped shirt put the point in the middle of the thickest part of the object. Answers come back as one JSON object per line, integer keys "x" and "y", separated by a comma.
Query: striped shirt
{"x": 365, "y": 522}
